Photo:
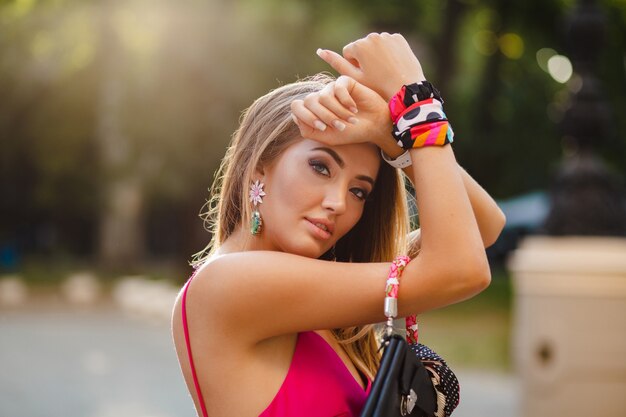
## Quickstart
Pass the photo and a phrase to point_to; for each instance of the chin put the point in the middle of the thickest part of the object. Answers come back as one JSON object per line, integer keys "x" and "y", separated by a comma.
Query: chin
{"x": 309, "y": 251}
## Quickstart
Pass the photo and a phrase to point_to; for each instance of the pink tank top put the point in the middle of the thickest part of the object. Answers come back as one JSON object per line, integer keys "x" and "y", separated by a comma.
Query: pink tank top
{"x": 317, "y": 384}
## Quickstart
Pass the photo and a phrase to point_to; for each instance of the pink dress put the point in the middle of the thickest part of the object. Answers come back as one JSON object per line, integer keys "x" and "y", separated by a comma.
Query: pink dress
{"x": 317, "y": 384}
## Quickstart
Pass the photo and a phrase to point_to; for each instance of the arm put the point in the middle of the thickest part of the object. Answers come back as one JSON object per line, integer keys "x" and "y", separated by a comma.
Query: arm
{"x": 490, "y": 218}
{"x": 488, "y": 215}
{"x": 378, "y": 63}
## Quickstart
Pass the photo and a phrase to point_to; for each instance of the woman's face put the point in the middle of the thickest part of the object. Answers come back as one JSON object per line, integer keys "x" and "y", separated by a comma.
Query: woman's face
{"x": 315, "y": 194}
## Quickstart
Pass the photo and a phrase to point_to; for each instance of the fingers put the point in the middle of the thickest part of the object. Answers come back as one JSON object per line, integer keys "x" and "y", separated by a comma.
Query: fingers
{"x": 331, "y": 106}
{"x": 343, "y": 90}
{"x": 334, "y": 102}
{"x": 306, "y": 120}
{"x": 339, "y": 63}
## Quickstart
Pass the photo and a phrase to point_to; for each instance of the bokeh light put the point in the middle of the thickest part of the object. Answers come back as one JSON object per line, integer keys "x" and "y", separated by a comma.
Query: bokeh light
{"x": 560, "y": 68}
{"x": 485, "y": 42}
{"x": 543, "y": 55}
{"x": 511, "y": 45}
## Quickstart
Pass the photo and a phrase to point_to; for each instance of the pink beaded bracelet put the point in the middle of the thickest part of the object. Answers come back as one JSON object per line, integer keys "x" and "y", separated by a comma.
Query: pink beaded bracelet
{"x": 391, "y": 297}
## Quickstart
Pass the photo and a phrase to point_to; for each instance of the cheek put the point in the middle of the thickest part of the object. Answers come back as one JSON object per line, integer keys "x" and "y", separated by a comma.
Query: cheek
{"x": 292, "y": 191}
{"x": 288, "y": 193}
{"x": 350, "y": 219}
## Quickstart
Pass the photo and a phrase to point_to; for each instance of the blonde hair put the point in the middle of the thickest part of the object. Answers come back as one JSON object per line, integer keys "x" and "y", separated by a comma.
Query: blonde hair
{"x": 265, "y": 130}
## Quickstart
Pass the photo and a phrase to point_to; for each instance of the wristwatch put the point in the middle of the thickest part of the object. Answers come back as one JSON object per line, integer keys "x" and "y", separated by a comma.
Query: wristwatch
{"x": 402, "y": 161}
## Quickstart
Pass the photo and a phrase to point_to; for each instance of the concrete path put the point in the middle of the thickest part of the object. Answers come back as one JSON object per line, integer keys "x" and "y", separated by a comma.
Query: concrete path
{"x": 102, "y": 362}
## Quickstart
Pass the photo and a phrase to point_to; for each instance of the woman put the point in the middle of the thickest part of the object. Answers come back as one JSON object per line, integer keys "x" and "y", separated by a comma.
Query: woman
{"x": 278, "y": 315}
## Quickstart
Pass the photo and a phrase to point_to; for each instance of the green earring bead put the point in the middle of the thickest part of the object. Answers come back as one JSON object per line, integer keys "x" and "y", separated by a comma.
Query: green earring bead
{"x": 256, "y": 223}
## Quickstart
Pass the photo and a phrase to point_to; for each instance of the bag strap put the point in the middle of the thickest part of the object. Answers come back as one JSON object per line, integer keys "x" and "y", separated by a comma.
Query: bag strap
{"x": 391, "y": 300}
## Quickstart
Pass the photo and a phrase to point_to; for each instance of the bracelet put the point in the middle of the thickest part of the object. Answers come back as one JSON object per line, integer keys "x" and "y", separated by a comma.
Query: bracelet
{"x": 410, "y": 94}
{"x": 391, "y": 298}
{"x": 402, "y": 161}
{"x": 425, "y": 134}
{"x": 419, "y": 120}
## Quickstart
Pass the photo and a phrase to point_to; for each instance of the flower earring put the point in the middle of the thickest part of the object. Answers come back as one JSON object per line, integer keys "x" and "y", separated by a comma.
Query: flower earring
{"x": 256, "y": 198}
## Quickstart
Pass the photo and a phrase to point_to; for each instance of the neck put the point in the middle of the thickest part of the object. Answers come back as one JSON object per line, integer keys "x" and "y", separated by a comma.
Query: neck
{"x": 241, "y": 241}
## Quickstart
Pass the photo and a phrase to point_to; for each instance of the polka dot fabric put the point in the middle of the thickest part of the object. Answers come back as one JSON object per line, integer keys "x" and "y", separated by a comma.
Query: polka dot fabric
{"x": 418, "y": 117}
{"x": 445, "y": 382}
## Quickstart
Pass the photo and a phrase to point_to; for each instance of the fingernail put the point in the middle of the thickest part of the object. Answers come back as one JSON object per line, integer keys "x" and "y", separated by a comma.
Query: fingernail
{"x": 319, "y": 52}
{"x": 353, "y": 120}
{"x": 295, "y": 119}
{"x": 354, "y": 110}
{"x": 338, "y": 125}
{"x": 319, "y": 125}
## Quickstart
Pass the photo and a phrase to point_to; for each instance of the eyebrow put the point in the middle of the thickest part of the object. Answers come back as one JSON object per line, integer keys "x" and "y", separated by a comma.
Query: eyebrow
{"x": 341, "y": 163}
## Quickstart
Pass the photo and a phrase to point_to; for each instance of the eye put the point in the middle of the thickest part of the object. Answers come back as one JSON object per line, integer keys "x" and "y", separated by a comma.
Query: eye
{"x": 360, "y": 193}
{"x": 319, "y": 167}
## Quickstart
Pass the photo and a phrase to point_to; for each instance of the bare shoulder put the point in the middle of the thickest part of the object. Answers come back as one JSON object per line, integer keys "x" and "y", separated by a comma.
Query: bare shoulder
{"x": 264, "y": 294}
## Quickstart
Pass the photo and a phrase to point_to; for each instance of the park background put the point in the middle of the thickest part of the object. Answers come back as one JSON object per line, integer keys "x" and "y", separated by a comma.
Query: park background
{"x": 115, "y": 115}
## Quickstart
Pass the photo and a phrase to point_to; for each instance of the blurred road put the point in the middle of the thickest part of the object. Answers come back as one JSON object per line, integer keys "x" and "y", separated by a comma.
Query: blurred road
{"x": 102, "y": 362}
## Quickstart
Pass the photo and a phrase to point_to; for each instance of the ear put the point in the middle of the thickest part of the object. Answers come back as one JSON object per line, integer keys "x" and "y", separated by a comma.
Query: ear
{"x": 259, "y": 171}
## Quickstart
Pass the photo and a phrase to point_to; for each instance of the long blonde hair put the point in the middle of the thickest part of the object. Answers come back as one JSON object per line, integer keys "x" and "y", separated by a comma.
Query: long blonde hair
{"x": 265, "y": 130}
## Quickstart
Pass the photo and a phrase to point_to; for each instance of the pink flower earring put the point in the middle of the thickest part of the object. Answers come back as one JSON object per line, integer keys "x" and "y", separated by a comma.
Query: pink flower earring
{"x": 256, "y": 198}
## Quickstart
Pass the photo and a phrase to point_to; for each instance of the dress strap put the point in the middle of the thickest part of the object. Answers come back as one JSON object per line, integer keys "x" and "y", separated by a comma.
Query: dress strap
{"x": 186, "y": 329}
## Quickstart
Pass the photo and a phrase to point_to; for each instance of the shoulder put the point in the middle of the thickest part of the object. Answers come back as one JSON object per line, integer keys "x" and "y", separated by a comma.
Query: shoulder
{"x": 265, "y": 293}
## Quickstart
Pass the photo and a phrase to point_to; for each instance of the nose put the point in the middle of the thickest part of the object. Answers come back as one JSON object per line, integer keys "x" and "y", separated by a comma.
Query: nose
{"x": 335, "y": 199}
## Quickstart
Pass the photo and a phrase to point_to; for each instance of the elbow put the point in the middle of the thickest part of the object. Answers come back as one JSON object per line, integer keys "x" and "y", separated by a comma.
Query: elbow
{"x": 497, "y": 225}
{"x": 476, "y": 276}
{"x": 482, "y": 280}
{"x": 479, "y": 277}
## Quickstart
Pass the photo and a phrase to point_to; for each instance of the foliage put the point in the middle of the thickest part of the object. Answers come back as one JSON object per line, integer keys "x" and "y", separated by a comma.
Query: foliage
{"x": 170, "y": 79}
{"x": 475, "y": 333}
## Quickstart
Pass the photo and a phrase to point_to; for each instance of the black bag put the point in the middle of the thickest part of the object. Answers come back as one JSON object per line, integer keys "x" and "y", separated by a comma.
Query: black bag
{"x": 412, "y": 380}
{"x": 402, "y": 386}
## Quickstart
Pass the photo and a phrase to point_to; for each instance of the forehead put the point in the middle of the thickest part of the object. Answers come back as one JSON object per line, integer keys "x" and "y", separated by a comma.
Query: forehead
{"x": 362, "y": 158}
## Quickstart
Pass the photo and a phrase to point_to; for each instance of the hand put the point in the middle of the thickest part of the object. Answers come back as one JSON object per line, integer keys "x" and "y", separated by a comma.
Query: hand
{"x": 381, "y": 61}
{"x": 343, "y": 112}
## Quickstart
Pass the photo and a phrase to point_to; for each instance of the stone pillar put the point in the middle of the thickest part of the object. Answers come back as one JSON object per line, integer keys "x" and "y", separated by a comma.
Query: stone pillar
{"x": 569, "y": 336}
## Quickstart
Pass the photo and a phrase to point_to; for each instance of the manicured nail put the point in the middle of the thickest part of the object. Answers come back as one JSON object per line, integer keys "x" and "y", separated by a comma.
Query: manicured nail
{"x": 354, "y": 110}
{"x": 295, "y": 119}
{"x": 319, "y": 125}
{"x": 338, "y": 125}
{"x": 319, "y": 52}
{"x": 353, "y": 120}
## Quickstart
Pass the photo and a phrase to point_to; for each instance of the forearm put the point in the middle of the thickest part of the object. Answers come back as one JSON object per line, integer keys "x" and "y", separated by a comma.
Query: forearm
{"x": 489, "y": 217}
{"x": 447, "y": 222}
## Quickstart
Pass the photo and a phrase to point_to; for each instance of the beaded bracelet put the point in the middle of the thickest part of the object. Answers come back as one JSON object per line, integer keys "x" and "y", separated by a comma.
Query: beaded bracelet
{"x": 391, "y": 298}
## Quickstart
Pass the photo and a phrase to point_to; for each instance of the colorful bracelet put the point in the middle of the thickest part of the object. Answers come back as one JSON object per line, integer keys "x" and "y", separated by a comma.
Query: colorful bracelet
{"x": 410, "y": 94}
{"x": 418, "y": 117}
{"x": 391, "y": 297}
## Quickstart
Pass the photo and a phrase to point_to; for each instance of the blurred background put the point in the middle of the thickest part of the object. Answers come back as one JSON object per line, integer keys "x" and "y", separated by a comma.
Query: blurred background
{"x": 114, "y": 116}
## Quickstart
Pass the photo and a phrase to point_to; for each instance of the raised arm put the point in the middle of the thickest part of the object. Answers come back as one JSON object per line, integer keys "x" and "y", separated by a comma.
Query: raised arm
{"x": 449, "y": 227}
{"x": 489, "y": 217}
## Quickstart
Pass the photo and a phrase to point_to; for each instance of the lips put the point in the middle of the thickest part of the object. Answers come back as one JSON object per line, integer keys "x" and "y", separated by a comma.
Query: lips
{"x": 321, "y": 227}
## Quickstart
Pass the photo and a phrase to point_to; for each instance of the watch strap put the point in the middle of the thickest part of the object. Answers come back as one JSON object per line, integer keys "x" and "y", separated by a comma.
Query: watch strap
{"x": 402, "y": 161}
